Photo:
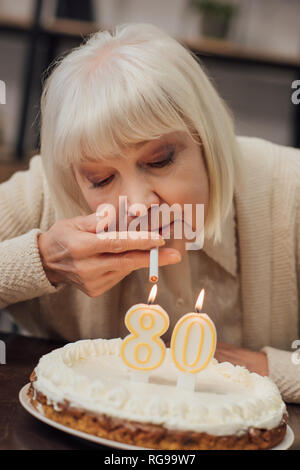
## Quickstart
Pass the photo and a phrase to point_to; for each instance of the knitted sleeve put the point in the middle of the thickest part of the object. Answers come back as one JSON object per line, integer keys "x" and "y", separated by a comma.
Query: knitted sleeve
{"x": 284, "y": 370}
{"x": 22, "y": 204}
{"x": 284, "y": 366}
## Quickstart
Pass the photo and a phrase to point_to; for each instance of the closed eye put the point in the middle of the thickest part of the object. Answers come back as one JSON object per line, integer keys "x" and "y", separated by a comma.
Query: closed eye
{"x": 160, "y": 164}
{"x": 165, "y": 162}
{"x": 102, "y": 183}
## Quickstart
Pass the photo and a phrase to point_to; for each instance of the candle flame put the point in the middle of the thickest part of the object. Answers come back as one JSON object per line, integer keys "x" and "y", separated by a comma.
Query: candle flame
{"x": 199, "y": 302}
{"x": 152, "y": 294}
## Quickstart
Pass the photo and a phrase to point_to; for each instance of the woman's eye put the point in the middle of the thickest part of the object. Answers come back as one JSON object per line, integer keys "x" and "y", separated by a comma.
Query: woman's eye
{"x": 165, "y": 162}
{"x": 102, "y": 183}
{"x": 159, "y": 164}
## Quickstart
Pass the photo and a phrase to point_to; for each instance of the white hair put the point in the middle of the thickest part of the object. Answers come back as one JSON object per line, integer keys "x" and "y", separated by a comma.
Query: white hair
{"x": 133, "y": 84}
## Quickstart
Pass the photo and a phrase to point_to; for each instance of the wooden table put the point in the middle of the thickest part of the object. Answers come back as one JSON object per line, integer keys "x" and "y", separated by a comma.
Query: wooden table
{"x": 21, "y": 431}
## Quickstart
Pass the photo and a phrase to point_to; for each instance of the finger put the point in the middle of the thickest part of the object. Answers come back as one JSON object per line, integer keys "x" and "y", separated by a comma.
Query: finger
{"x": 111, "y": 279}
{"x": 95, "y": 222}
{"x": 92, "y": 245}
{"x": 94, "y": 270}
{"x": 86, "y": 223}
{"x": 106, "y": 218}
{"x": 135, "y": 259}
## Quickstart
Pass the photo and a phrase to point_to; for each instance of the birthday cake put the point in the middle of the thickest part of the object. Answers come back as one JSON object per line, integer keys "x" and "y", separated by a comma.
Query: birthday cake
{"x": 87, "y": 386}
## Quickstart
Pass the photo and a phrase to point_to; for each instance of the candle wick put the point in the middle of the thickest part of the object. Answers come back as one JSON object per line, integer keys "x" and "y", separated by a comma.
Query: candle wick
{"x": 197, "y": 310}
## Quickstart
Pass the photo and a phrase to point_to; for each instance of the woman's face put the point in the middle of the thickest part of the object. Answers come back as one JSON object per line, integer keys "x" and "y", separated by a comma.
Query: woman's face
{"x": 169, "y": 170}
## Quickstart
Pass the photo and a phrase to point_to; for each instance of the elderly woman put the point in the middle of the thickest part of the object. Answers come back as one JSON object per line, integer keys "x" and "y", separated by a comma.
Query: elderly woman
{"x": 131, "y": 113}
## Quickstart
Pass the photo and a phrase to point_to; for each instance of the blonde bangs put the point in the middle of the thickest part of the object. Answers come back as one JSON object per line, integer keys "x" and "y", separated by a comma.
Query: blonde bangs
{"x": 118, "y": 109}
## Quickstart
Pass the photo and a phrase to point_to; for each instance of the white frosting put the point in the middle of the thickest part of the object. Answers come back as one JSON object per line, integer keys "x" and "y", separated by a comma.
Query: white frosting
{"x": 90, "y": 374}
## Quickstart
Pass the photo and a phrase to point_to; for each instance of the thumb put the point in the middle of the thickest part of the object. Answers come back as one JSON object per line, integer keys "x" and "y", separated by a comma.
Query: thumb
{"x": 95, "y": 222}
{"x": 86, "y": 223}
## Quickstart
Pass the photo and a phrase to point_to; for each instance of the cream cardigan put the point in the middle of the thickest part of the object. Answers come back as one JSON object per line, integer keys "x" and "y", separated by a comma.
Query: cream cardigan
{"x": 267, "y": 209}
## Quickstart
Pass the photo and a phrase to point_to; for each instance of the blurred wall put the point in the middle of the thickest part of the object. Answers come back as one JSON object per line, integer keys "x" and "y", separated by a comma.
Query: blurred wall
{"x": 259, "y": 97}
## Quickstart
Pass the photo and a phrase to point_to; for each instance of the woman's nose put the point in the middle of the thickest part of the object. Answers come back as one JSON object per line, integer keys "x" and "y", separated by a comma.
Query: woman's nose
{"x": 140, "y": 197}
{"x": 140, "y": 192}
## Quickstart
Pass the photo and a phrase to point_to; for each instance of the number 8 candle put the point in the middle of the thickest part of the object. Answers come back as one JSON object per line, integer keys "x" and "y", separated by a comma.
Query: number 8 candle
{"x": 193, "y": 344}
{"x": 143, "y": 349}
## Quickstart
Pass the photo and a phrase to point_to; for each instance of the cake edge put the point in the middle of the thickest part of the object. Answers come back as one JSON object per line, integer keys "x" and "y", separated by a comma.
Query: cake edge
{"x": 150, "y": 435}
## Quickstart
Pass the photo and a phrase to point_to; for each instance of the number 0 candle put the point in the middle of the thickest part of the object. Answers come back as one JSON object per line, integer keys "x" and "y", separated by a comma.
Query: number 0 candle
{"x": 143, "y": 349}
{"x": 193, "y": 343}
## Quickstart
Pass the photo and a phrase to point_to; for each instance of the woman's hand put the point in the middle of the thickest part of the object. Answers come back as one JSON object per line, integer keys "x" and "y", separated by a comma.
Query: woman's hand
{"x": 252, "y": 360}
{"x": 71, "y": 252}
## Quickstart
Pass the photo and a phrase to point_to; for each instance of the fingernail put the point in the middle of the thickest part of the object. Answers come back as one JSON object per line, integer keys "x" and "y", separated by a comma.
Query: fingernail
{"x": 175, "y": 257}
{"x": 155, "y": 236}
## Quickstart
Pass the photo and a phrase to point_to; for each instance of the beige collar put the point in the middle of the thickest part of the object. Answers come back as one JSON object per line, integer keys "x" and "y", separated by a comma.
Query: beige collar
{"x": 225, "y": 252}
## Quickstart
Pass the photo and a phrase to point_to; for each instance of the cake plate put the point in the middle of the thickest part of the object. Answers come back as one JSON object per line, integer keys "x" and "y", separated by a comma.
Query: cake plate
{"x": 25, "y": 402}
